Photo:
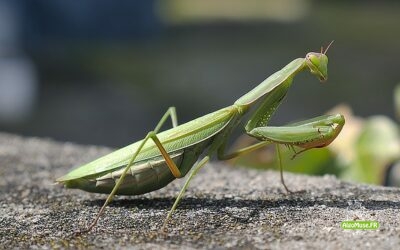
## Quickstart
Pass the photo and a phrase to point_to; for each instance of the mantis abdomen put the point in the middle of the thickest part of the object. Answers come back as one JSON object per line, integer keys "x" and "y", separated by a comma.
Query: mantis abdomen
{"x": 142, "y": 177}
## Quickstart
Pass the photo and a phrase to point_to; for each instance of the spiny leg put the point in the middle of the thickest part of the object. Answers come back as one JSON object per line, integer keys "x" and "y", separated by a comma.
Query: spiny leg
{"x": 171, "y": 112}
{"x": 279, "y": 157}
{"x": 195, "y": 170}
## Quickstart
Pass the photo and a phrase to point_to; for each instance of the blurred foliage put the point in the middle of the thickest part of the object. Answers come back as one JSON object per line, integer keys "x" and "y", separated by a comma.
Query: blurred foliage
{"x": 362, "y": 152}
{"x": 208, "y": 11}
{"x": 374, "y": 144}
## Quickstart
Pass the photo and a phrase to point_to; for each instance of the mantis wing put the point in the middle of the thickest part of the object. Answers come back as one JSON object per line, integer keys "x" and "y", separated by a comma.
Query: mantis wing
{"x": 173, "y": 139}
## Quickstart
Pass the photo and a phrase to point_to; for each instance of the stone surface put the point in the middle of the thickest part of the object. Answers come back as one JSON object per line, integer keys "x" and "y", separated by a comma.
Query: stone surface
{"x": 225, "y": 207}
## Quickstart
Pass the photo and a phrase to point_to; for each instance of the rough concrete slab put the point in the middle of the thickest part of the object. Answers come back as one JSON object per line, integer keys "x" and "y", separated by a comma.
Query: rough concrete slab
{"x": 224, "y": 207}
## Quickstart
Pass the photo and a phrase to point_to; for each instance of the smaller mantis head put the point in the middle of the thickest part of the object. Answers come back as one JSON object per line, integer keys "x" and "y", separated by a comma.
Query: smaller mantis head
{"x": 318, "y": 63}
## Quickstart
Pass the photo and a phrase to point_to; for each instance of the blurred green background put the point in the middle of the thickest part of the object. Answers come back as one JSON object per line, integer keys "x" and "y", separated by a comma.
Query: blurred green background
{"x": 103, "y": 72}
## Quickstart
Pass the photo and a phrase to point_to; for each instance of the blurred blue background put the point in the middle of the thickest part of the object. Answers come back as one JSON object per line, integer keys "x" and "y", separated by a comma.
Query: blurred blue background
{"x": 103, "y": 72}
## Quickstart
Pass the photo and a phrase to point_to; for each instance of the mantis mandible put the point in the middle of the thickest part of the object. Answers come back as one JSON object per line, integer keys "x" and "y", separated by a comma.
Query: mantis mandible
{"x": 161, "y": 157}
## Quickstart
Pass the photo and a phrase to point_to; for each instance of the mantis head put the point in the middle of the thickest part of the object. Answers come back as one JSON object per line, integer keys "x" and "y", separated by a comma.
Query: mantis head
{"x": 318, "y": 63}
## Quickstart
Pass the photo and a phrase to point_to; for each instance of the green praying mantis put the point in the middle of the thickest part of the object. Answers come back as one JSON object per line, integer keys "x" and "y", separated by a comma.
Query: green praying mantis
{"x": 161, "y": 157}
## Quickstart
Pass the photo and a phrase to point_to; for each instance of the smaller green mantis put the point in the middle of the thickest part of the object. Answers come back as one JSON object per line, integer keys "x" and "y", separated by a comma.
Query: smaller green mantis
{"x": 159, "y": 158}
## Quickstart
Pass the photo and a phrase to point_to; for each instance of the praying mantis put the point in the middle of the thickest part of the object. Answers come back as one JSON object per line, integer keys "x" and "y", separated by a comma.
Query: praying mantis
{"x": 161, "y": 157}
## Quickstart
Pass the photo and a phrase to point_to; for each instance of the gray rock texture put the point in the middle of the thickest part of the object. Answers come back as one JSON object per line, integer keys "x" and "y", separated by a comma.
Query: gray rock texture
{"x": 225, "y": 207}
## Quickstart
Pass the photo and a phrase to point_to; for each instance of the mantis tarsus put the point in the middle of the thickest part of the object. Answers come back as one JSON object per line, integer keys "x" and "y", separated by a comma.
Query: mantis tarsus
{"x": 159, "y": 158}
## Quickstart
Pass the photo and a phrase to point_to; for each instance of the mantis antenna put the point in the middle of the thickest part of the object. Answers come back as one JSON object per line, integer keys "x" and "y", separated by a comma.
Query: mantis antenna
{"x": 326, "y": 50}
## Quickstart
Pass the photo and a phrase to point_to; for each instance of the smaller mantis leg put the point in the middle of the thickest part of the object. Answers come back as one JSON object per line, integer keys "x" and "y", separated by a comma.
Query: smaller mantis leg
{"x": 279, "y": 157}
{"x": 255, "y": 147}
{"x": 296, "y": 153}
{"x": 241, "y": 151}
{"x": 196, "y": 169}
{"x": 171, "y": 112}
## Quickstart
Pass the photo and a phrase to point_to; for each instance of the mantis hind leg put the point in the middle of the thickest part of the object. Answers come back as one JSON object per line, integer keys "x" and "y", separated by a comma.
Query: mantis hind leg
{"x": 171, "y": 112}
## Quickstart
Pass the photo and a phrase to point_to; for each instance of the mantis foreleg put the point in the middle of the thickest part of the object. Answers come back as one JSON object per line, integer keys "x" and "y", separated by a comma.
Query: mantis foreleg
{"x": 317, "y": 132}
{"x": 312, "y": 133}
